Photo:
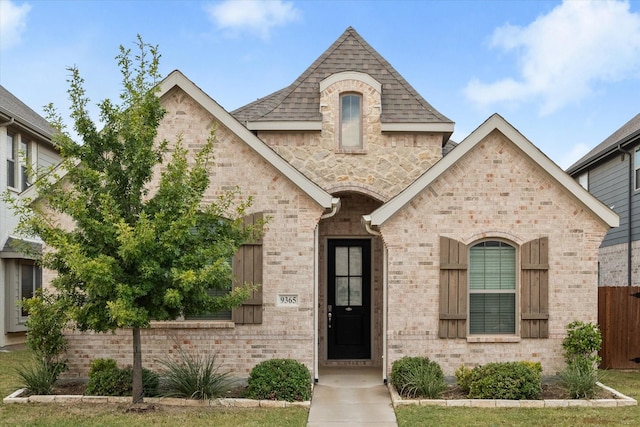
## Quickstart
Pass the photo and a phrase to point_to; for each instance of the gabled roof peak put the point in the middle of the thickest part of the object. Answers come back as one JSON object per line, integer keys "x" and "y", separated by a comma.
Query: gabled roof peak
{"x": 300, "y": 101}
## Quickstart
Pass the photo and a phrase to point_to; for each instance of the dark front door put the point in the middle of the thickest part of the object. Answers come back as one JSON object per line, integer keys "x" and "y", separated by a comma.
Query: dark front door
{"x": 349, "y": 299}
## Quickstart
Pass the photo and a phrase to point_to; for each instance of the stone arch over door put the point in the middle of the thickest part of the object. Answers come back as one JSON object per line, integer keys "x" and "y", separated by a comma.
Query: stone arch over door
{"x": 346, "y": 226}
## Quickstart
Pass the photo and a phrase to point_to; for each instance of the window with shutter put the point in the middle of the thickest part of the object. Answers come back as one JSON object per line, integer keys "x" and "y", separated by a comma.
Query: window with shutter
{"x": 492, "y": 288}
{"x": 534, "y": 292}
{"x": 453, "y": 289}
{"x": 247, "y": 268}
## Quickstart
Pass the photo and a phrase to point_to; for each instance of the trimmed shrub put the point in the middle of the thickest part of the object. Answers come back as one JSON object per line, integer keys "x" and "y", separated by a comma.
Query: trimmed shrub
{"x": 194, "y": 377}
{"x": 463, "y": 378}
{"x": 581, "y": 348}
{"x": 582, "y": 344}
{"x": 507, "y": 380}
{"x": 279, "y": 379}
{"x": 417, "y": 377}
{"x": 106, "y": 379}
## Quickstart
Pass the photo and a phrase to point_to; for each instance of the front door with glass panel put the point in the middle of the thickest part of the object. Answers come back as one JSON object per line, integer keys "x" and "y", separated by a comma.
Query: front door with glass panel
{"x": 349, "y": 299}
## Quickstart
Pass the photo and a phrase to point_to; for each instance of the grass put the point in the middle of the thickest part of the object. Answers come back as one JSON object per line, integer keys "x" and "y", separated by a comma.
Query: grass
{"x": 87, "y": 414}
{"x": 625, "y": 382}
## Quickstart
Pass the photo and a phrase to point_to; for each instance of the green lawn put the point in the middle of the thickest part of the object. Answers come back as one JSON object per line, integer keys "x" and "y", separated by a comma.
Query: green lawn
{"x": 87, "y": 414}
{"x": 625, "y": 382}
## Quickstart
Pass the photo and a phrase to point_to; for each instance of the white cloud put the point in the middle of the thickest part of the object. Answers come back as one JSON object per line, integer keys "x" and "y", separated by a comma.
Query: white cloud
{"x": 13, "y": 22}
{"x": 563, "y": 55}
{"x": 256, "y": 17}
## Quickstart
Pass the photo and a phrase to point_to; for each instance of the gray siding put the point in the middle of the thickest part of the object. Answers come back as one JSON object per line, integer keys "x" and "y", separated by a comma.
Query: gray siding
{"x": 608, "y": 182}
{"x": 47, "y": 157}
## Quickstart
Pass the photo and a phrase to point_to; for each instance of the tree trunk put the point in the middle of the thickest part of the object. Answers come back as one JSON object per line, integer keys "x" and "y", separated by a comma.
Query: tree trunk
{"x": 136, "y": 392}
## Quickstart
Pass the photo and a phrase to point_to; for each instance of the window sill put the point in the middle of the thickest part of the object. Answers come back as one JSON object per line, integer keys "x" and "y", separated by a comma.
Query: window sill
{"x": 352, "y": 151}
{"x": 193, "y": 324}
{"x": 493, "y": 339}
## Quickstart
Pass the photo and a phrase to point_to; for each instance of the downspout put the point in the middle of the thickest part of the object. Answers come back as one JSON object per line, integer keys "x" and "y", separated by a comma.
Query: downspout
{"x": 335, "y": 207}
{"x": 630, "y": 216}
{"x": 366, "y": 220}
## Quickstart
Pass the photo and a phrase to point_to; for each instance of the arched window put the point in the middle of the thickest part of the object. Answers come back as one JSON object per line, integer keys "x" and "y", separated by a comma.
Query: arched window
{"x": 492, "y": 288}
{"x": 350, "y": 121}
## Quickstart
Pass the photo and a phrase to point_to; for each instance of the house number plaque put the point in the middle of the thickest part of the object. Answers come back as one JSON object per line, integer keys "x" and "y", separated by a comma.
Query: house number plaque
{"x": 287, "y": 300}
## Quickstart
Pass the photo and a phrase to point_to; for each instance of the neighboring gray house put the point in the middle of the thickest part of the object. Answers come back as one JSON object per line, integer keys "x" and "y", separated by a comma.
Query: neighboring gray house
{"x": 611, "y": 172}
{"x": 25, "y": 138}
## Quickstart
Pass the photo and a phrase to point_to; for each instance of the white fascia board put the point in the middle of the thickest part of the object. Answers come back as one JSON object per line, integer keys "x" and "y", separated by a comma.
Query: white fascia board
{"x": 382, "y": 214}
{"x": 176, "y": 78}
{"x": 417, "y": 127}
{"x": 285, "y": 126}
{"x": 350, "y": 75}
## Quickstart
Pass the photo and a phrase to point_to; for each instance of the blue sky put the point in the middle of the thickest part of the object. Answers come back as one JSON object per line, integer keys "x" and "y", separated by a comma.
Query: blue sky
{"x": 565, "y": 74}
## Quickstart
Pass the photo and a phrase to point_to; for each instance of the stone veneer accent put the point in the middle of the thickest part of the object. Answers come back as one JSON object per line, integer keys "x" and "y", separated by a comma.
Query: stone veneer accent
{"x": 386, "y": 164}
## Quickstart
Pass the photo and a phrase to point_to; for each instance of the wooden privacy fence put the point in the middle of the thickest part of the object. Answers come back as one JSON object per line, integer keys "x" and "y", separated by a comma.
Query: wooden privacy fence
{"x": 619, "y": 320}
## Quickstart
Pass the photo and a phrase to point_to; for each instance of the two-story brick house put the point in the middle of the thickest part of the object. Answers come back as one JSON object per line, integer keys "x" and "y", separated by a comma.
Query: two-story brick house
{"x": 378, "y": 246}
{"x": 25, "y": 139}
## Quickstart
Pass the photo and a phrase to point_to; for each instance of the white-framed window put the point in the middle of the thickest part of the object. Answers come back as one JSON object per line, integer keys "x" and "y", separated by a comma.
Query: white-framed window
{"x": 30, "y": 281}
{"x": 22, "y": 278}
{"x": 19, "y": 156}
{"x": 492, "y": 288}
{"x": 350, "y": 121}
{"x": 12, "y": 157}
{"x": 636, "y": 166}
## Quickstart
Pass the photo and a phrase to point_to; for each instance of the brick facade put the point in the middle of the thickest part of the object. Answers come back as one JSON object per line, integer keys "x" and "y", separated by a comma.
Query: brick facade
{"x": 613, "y": 265}
{"x": 494, "y": 191}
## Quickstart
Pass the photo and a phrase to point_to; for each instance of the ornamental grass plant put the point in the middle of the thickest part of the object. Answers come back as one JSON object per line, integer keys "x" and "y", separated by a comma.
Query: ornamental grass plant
{"x": 194, "y": 376}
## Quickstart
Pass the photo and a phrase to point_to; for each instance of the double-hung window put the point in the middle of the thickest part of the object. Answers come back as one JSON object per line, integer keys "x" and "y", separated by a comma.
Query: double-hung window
{"x": 30, "y": 281}
{"x": 350, "y": 121}
{"x": 11, "y": 160}
{"x": 636, "y": 166}
{"x": 25, "y": 154}
{"x": 18, "y": 160}
{"x": 492, "y": 288}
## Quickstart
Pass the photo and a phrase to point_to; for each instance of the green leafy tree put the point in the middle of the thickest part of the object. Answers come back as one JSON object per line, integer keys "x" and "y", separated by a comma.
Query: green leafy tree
{"x": 136, "y": 251}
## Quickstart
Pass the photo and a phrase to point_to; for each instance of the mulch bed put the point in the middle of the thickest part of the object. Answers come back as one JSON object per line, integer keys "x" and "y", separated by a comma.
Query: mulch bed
{"x": 549, "y": 391}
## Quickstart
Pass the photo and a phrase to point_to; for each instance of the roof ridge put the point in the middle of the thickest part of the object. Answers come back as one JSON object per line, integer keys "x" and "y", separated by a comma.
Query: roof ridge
{"x": 387, "y": 65}
{"x": 286, "y": 91}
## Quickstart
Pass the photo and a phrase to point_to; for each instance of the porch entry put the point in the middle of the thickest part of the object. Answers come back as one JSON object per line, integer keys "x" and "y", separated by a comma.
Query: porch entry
{"x": 349, "y": 299}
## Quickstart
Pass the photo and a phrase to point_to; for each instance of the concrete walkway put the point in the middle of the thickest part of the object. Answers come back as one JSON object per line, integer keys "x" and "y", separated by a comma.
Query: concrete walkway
{"x": 353, "y": 397}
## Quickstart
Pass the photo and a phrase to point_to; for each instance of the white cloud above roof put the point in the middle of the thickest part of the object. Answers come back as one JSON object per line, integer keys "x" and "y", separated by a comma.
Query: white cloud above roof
{"x": 13, "y": 22}
{"x": 256, "y": 17}
{"x": 563, "y": 55}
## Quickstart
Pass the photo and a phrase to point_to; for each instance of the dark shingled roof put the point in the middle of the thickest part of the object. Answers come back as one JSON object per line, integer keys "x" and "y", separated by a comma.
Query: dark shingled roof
{"x": 300, "y": 101}
{"x": 629, "y": 130}
{"x": 12, "y": 107}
